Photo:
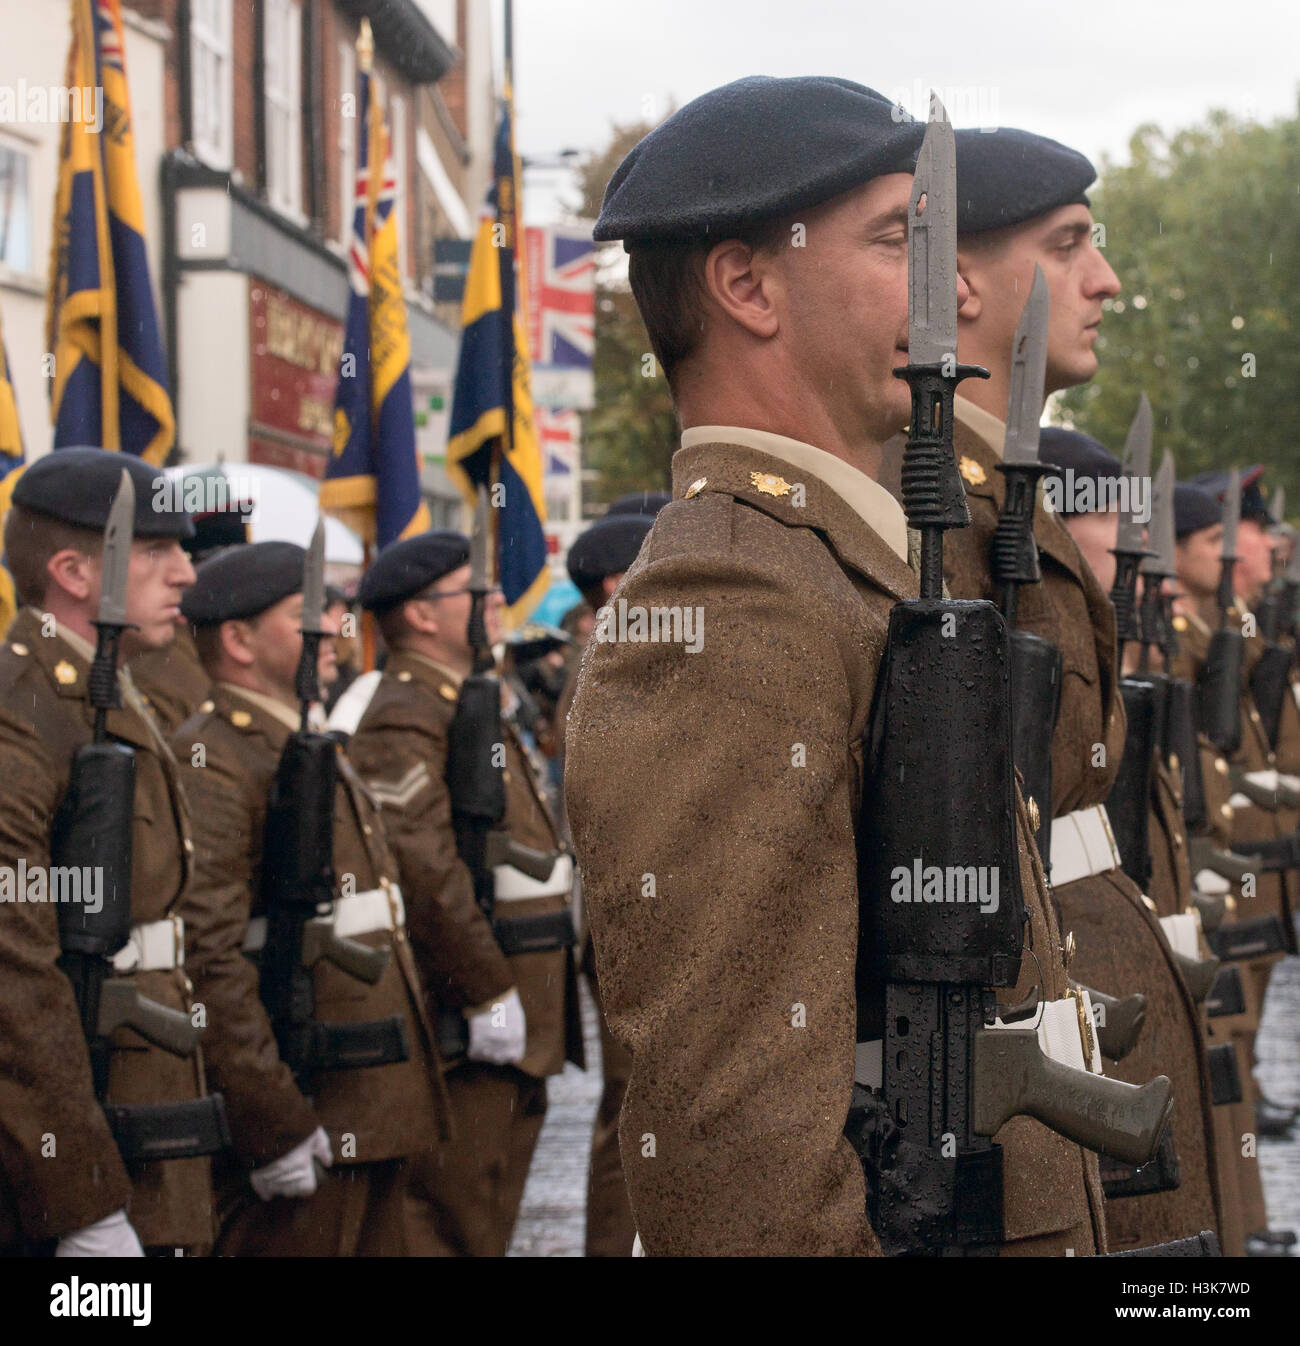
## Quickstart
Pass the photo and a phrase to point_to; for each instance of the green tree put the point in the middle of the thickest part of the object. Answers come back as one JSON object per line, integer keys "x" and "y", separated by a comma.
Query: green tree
{"x": 1203, "y": 229}
{"x": 629, "y": 437}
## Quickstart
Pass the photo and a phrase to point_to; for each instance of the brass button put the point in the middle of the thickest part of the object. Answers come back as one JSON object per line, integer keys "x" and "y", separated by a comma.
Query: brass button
{"x": 404, "y": 675}
{"x": 241, "y": 719}
{"x": 1031, "y": 807}
{"x": 64, "y": 673}
{"x": 208, "y": 707}
{"x": 1226, "y": 810}
{"x": 189, "y": 846}
{"x": 367, "y": 829}
{"x": 18, "y": 647}
{"x": 1174, "y": 764}
{"x": 1067, "y": 949}
{"x": 1149, "y": 904}
{"x": 696, "y": 487}
{"x": 1221, "y": 765}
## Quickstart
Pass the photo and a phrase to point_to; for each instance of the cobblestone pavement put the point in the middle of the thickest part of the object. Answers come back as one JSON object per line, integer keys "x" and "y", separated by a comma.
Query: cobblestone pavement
{"x": 552, "y": 1220}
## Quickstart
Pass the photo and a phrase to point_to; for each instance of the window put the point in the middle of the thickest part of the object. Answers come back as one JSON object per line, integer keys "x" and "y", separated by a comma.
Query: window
{"x": 15, "y": 207}
{"x": 348, "y": 112}
{"x": 211, "y": 76}
{"x": 397, "y": 153}
{"x": 282, "y": 42}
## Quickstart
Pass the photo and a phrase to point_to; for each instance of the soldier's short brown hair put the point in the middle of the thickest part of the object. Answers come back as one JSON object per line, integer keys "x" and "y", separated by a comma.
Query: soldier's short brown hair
{"x": 31, "y": 540}
{"x": 667, "y": 282}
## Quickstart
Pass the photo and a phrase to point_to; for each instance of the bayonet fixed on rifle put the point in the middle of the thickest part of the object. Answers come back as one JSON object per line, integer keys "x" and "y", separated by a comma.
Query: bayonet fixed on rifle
{"x": 927, "y": 971}
{"x": 93, "y": 829}
{"x": 1219, "y": 682}
{"x": 1269, "y": 609}
{"x": 1035, "y": 662}
{"x": 1129, "y": 804}
{"x": 298, "y": 882}
{"x": 1270, "y": 679}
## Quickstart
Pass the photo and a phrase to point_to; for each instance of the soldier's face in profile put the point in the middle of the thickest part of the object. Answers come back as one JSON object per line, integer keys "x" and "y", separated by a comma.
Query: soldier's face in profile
{"x": 450, "y": 604}
{"x": 1197, "y": 559}
{"x": 159, "y": 573}
{"x": 1096, "y": 535}
{"x": 274, "y": 640}
{"x": 841, "y": 298}
{"x": 1000, "y": 267}
{"x": 1254, "y": 559}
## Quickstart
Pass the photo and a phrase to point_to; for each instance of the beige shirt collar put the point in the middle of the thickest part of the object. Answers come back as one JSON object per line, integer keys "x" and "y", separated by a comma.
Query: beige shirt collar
{"x": 454, "y": 678}
{"x": 866, "y": 497}
{"x": 983, "y": 423}
{"x": 276, "y": 709}
{"x": 77, "y": 643}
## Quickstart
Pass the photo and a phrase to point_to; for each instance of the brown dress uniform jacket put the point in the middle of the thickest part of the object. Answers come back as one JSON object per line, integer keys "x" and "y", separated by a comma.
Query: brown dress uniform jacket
{"x": 713, "y": 799}
{"x": 390, "y": 1111}
{"x": 173, "y": 681}
{"x": 400, "y": 748}
{"x": 1121, "y": 949}
{"x": 45, "y": 1083}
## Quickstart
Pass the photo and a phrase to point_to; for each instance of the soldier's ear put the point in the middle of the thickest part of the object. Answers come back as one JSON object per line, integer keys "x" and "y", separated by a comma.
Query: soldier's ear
{"x": 70, "y": 572}
{"x": 237, "y": 643}
{"x": 969, "y": 272}
{"x": 739, "y": 282}
{"x": 420, "y": 616}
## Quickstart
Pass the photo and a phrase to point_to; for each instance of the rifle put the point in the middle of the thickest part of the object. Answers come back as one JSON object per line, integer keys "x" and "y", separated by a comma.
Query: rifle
{"x": 476, "y": 784}
{"x": 947, "y": 1081}
{"x": 93, "y": 828}
{"x": 1219, "y": 681}
{"x": 1129, "y": 805}
{"x": 1035, "y": 662}
{"x": 298, "y": 884}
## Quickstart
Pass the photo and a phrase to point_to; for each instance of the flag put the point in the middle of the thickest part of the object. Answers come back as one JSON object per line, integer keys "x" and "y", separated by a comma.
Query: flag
{"x": 110, "y": 380}
{"x": 562, "y": 315}
{"x": 11, "y": 463}
{"x": 372, "y": 480}
{"x": 493, "y": 439}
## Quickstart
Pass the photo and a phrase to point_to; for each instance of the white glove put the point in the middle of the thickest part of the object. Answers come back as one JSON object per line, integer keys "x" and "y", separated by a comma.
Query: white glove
{"x": 498, "y": 1032}
{"x": 294, "y": 1173}
{"x": 110, "y": 1237}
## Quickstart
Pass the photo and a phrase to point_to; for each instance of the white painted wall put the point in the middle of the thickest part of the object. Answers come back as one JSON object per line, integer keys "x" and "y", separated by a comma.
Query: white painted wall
{"x": 213, "y": 327}
{"x": 35, "y": 49}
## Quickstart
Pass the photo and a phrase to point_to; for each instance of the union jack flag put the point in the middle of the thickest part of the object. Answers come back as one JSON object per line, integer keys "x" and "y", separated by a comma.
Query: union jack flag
{"x": 562, "y": 303}
{"x": 110, "y": 40}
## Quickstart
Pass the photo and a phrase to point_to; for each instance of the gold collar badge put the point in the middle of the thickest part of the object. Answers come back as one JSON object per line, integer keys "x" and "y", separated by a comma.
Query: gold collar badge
{"x": 769, "y": 484}
{"x": 64, "y": 673}
{"x": 972, "y": 471}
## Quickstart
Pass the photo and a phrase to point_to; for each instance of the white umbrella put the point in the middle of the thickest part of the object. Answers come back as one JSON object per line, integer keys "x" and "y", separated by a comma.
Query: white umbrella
{"x": 285, "y": 505}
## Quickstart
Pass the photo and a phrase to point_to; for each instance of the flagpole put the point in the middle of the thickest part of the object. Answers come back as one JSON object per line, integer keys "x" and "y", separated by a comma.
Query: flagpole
{"x": 365, "y": 63}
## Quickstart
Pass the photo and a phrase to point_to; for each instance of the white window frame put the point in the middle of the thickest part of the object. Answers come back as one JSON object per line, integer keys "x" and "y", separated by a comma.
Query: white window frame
{"x": 398, "y": 143}
{"x": 282, "y": 66}
{"x": 24, "y": 150}
{"x": 212, "y": 82}
{"x": 347, "y": 141}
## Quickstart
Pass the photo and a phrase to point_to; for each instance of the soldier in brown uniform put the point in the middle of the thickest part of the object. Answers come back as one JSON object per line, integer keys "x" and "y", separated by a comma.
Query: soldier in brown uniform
{"x": 713, "y": 783}
{"x": 368, "y": 1122}
{"x": 1122, "y": 949}
{"x": 597, "y": 562}
{"x": 61, "y": 1175}
{"x": 1200, "y": 539}
{"x": 516, "y": 1010}
{"x": 1021, "y": 203}
{"x": 173, "y": 681}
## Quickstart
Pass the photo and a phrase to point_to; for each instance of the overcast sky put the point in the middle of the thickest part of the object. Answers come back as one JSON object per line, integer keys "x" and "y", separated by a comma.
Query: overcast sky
{"x": 1086, "y": 72}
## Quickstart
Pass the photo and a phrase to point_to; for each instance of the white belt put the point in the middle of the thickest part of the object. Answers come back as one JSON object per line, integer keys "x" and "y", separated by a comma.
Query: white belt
{"x": 357, "y": 914}
{"x": 1264, "y": 780}
{"x": 1082, "y": 845}
{"x": 1060, "y": 1034}
{"x": 1183, "y": 933}
{"x": 153, "y": 946}
{"x": 1211, "y": 884}
{"x": 512, "y": 885}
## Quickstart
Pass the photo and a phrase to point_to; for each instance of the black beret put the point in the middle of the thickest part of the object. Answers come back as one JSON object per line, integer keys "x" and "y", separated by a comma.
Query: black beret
{"x": 243, "y": 582}
{"x": 1253, "y": 504}
{"x": 218, "y": 529}
{"x": 1087, "y": 458}
{"x": 1194, "y": 509}
{"x": 607, "y": 548}
{"x": 1005, "y": 177}
{"x": 407, "y": 567}
{"x": 77, "y": 486}
{"x": 755, "y": 149}
{"x": 639, "y": 502}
